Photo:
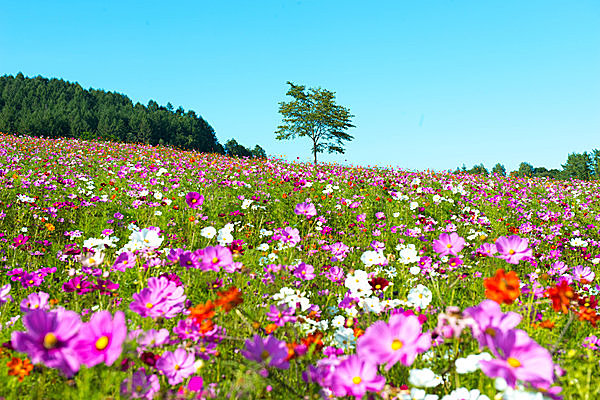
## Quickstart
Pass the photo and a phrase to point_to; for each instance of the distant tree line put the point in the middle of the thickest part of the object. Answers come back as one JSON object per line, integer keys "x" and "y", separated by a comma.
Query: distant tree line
{"x": 584, "y": 166}
{"x": 56, "y": 108}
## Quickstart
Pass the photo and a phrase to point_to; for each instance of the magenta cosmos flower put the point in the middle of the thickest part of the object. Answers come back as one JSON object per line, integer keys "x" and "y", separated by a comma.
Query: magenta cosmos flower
{"x": 101, "y": 339}
{"x": 520, "y": 358}
{"x": 488, "y": 319}
{"x": 303, "y": 271}
{"x": 355, "y": 376}
{"x": 306, "y": 209}
{"x": 270, "y": 351}
{"x": 176, "y": 365}
{"x": 448, "y": 244}
{"x": 141, "y": 386}
{"x": 125, "y": 260}
{"x": 194, "y": 199}
{"x": 512, "y": 249}
{"x": 397, "y": 341}
{"x": 49, "y": 339}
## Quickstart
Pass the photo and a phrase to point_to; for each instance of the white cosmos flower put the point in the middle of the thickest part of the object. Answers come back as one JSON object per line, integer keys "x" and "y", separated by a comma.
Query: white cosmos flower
{"x": 420, "y": 296}
{"x": 358, "y": 284}
{"x": 146, "y": 238}
{"x": 262, "y": 247}
{"x": 370, "y": 258}
{"x": 465, "y": 394}
{"x": 371, "y": 304}
{"x": 209, "y": 232}
{"x": 408, "y": 256}
{"x": 424, "y": 378}
{"x": 338, "y": 321}
{"x": 471, "y": 362}
{"x": 246, "y": 203}
{"x": 413, "y": 205}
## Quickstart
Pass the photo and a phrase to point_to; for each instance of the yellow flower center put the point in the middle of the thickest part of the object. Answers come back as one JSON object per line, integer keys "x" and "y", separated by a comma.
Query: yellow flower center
{"x": 50, "y": 341}
{"x": 491, "y": 331}
{"x": 397, "y": 345}
{"x": 138, "y": 388}
{"x": 149, "y": 305}
{"x": 215, "y": 260}
{"x": 264, "y": 355}
{"x": 449, "y": 245}
{"x": 378, "y": 286}
{"x": 356, "y": 380}
{"x": 513, "y": 362}
{"x": 511, "y": 252}
{"x": 101, "y": 343}
{"x": 177, "y": 367}
{"x": 92, "y": 261}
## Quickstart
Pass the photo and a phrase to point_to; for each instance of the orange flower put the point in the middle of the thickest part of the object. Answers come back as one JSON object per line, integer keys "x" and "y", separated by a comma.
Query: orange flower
{"x": 229, "y": 298}
{"x": 20, "y": 368}
{"x": 202, "y": 312}
{"x": 561, "y": 296}
{"x": 314, "y": 339}
{"x": 50, "y": 227}
{"x": 502, "y": 288}
{"x": 270, "y": 328}
{"x": 588, "y": 314}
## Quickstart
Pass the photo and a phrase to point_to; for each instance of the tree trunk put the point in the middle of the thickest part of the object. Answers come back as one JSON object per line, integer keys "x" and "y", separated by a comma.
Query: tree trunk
{"x": 315, "y": 157}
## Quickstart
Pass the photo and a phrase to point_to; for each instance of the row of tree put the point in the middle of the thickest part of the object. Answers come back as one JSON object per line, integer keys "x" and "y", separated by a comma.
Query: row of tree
{"x": 56, "y": 108}
{"x": 585, "y": 166}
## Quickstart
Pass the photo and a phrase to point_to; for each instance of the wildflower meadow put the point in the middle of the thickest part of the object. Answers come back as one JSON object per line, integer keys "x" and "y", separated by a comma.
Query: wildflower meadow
{"x": 143, "y": 272}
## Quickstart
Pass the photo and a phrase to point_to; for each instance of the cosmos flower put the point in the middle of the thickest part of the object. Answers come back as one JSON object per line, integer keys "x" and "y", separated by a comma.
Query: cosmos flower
{"x": 503, "y": 287}
{"x": 399, "y": 340}
{"x": 194, "y": 199}
{"x": 49, "y": 339}
{"x": 177, "y": 365}
{"x": 269, "y": 351}
{"x": 140, "y": 386}
{"x": 35, "y": 301}
{"x": 356, "y": 376}
{"x": 101, "y": 339}
{"x": 448, "y": 244}
{"x": 519, "y": 358}
{"x": 306, "y": 209}
{"x": 513, "y": 248}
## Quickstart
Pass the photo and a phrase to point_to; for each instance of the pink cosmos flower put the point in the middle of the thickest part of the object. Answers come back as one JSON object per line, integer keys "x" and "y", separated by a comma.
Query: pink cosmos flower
{"x": 162, "y": 298}
{"x": 176, "y": 365}
{"x": 35, "y": 301}
{"x": 520, "y": 358}
{"x": 49, "y": 339}
{"x": 101, "y": 339}
{"x": 269, "y": 351}
{"x": 125, "y": 260}
{"x": 512, "y": 249}
{"x": 194, "y": 199}
{"x": 306, "y": 209}
{"x": 448, "y": 244}
{"x": 4, "y": 293}
{"x": 399, "y": 340}
{"x": 303, "y": 271}
{"x": 213, "y": 258}
{"x": 355, "y": 376}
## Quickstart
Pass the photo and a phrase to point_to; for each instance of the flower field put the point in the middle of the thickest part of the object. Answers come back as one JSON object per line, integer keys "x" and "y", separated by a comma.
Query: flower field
{"x": 141, "y": 272}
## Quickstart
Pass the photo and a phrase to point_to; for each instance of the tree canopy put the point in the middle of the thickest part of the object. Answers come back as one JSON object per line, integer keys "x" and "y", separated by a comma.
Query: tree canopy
{"x": 314, "y": 114}
{"x": 56, "y": 108}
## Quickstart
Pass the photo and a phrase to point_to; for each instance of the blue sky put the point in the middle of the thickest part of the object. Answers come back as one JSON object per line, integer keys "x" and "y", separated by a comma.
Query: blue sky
{"x": 432, "y": 84}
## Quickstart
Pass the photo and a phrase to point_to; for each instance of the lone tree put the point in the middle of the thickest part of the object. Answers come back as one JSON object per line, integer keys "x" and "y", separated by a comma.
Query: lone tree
{"x": 314, "y": 114}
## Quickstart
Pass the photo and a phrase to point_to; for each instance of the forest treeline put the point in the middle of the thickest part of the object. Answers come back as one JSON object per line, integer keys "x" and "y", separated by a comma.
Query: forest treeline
{"x": 56, "y": 108}
{"x": 584, "y": 166}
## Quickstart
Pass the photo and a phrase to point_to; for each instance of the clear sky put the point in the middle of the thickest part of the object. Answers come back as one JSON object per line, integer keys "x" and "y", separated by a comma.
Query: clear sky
{"x": 433, "y": 84}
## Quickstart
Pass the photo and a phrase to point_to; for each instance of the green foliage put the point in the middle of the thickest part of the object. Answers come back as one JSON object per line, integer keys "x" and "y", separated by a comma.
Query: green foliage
{"x": 315, "y": 115}
{"x": 525, "y": 169}
{"x": 499, "y": 170}
{"x": 578, "y": 166}
{"x": 56, "y": 108}
{"x": 478, "y": 170}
